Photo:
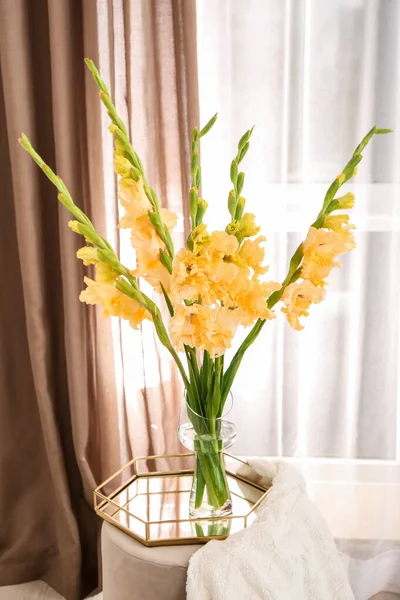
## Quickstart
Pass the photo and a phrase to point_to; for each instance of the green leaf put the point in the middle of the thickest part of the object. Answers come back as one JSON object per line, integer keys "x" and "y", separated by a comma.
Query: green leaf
{"x": 167, "y": 300}
{"x": 151, "y": 195}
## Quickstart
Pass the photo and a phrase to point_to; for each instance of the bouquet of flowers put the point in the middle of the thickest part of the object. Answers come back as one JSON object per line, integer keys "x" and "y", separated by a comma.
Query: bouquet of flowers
{"x": 211, "y": 287}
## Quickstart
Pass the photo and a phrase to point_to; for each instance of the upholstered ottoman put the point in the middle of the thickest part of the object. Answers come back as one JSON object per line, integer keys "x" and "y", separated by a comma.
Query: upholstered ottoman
{"x": 132, "y": 571}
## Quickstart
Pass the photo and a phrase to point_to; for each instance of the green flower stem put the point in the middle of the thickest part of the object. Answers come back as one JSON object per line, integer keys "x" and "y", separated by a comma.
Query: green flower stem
{"x": 209, "y": 460}
{"x": 200, "y": 485}
{"x": 197, "y": 206}
{"x": 294, "y": 271}
{"x": 235, "y": 207}
{"x": 120, "y": 134}
{"x": 161, "y": 331}
{"x": 128, "y": 285}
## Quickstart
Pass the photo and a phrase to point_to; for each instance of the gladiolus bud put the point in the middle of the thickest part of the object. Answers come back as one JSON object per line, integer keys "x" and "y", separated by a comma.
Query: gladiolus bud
{"x": 241, "y": 203}
{"x": 244, "y": 139}
{"x": 166, "y": 260}
{"x": 336, "y": 222}
{"x": 195, "y": 163}
{"x": 232, "y": 203}
{"x": 232, "y": 228}
{"x": 207, "y": 127}
{"x": 193, "y": 199}
{"x": 198, "y": 177}
{"x": 199, "y": 237}
{"x": 201, "y": 209}
{"x": 346, "y": 201}
{"x": 157, "y": 224}
{"x": 240, "y": 182}
{"x": 88, "y": 255}
{"x": 248, "y": 227}
{"x": 234, "y": 172}
{"x": 135, "y": 174}
{"x": 74, "y": 225}
{"x": 151, "y": 195}
{"x": 243, "y": 152}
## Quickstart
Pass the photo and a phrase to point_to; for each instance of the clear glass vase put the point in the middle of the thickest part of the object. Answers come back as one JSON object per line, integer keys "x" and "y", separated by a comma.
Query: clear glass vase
{"x": 207, "y": 438}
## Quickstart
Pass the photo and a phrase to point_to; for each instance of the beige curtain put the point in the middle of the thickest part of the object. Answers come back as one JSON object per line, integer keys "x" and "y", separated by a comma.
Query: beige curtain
{"x": 76, "y": 400}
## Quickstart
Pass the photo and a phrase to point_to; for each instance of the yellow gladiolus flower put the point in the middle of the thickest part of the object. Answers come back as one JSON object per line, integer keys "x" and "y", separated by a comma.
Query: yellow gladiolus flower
{"x": 74, "y": 225}
{"x": 152, "y": 270}
{"x": 336, "y": 222}
{"x": 253, "y": 253}
{"x": 104, "y": 273}
{"x": 247, "y": 226}
{"x": 320, "y": 249}
{"x": 114, "y": 302}
{"x": 122, "y": 166}
{"x": 169, "y": 218}
{"x": 133, "y": 198}
{"x": 222, "y": 243}
{"x": 340, "y": 224}
{"x": 252, "y": 300}
{"x": 88, "y": 255}
{"x": 189, "y": 279}
{"x": 226, "y": 324}
{"x": 144, "y": 235}
{"x": 346, "y": 201}
{"x": 199, "y": 237}
{"x": 203, "y": 328}
{"x": 298, "y": 297}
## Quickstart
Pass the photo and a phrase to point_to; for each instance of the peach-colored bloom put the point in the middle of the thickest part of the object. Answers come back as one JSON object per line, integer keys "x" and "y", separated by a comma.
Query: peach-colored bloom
{"x": 253, "y": 253}
{"x": 152, "y": 270}
{"x": 134, "y": 200}
{"x": 89, "y": 256}
{"x": 203, "y": 328}
{"x": 340, "y": 224}
{"x": 252, "y": 300}
{"x": 320, "y": 249}
{"x": 222, "y": 242}
{"x": 114, "y": 302}
{"x": 247, "y": 226}
{"x": 189, "y": 279}
{"x": 298, "y": 297}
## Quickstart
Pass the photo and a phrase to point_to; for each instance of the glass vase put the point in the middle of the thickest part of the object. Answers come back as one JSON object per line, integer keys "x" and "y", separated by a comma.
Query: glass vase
{"x": 208, "y": 438}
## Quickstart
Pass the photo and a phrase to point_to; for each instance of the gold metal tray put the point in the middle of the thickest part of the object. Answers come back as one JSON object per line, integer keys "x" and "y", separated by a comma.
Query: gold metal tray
{"x": 149, "y": 500}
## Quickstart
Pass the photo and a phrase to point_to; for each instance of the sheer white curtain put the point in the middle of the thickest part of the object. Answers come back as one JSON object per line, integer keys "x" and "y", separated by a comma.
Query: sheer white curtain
{"x": 314, "y": 76}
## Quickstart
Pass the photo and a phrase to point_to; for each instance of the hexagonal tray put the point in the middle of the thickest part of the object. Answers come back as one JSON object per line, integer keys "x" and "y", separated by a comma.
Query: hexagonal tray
{"x": 149, "y": 500}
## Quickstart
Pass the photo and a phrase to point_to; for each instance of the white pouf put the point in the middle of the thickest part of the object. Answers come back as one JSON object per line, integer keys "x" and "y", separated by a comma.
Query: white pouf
{"x": 132, "y": 571}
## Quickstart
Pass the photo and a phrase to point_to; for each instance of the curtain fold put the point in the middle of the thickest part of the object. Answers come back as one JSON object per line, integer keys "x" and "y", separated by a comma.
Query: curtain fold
{"x": 79, "y": 394}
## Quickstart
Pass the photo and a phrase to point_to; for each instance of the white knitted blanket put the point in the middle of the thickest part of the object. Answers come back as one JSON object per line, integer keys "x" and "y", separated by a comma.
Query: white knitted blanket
{"x": 287, "y": 554}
